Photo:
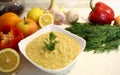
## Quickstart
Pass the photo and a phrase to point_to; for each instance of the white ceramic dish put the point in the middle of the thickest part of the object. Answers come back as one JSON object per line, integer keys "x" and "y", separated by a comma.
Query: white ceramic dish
{"x": 63, "y": 71}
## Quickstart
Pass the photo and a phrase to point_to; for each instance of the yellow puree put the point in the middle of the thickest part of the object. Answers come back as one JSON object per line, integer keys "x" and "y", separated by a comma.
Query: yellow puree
{"x": 65, "y": 51}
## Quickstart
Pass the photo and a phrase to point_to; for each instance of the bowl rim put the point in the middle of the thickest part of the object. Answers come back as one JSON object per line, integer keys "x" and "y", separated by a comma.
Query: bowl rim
{"x": 44, "y": 30}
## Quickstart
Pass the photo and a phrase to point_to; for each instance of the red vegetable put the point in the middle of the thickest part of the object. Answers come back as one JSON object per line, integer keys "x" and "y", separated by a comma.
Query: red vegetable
{"x": 10, "y": 36}
{"x": 101, "y": 13}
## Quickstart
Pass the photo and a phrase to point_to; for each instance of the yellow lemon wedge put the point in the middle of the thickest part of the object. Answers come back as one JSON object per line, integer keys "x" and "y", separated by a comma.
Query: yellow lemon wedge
{"x": 9, "y": 60}
{"x": 46, "y": 19}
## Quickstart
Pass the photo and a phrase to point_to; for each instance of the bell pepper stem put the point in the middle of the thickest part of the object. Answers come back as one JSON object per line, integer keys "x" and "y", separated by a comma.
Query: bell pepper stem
{"x": 91, "y": 5}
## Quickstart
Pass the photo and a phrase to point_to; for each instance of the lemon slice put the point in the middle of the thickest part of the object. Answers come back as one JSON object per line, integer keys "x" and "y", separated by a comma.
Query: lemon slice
{"x": 9, "y": 60}
{"x": 46, "y": 19}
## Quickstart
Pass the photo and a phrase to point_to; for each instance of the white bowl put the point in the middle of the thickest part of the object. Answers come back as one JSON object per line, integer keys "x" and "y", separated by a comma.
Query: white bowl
{"x": 22, "y": 45}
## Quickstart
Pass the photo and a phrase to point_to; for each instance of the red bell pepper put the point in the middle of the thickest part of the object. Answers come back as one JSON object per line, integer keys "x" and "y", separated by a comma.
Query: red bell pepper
{"x": 10, "y": 36}
{"x": 101, "y": 13}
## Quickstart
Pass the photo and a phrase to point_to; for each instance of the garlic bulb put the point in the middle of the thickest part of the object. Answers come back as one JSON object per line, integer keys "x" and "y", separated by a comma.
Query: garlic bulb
{"x": 72, "y": 15}
{"x": 59, "y": 16}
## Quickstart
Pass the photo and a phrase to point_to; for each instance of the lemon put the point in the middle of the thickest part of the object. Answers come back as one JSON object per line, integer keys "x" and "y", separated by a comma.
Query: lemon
{"x": 35, "y": 13}
{"x": 46, "y": 19}
{"x": 9, "y": 60}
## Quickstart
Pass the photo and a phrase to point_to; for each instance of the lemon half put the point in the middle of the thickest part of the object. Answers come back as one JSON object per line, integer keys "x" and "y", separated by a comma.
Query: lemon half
{"x": 9, "y": 60}
{"x": 46, "y": 19}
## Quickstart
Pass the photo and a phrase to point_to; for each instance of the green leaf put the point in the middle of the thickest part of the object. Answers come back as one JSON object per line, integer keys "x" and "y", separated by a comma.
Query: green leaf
{"x": 51, "y": 42}
{"x": 52, "y": 36}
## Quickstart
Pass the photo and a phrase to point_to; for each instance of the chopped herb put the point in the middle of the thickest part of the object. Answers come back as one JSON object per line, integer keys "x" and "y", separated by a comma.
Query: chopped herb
{"x": 51, "y": 42}
{"x": 99, "y": 38}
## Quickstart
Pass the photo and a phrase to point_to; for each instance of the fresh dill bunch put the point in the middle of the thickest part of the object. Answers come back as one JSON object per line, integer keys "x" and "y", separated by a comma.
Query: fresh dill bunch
{"x": 99, "y": 38}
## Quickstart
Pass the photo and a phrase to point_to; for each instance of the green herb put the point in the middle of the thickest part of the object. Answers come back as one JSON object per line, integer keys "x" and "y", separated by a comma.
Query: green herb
{"x": 51, "y": 42}
{"x": 98, "y": 38}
